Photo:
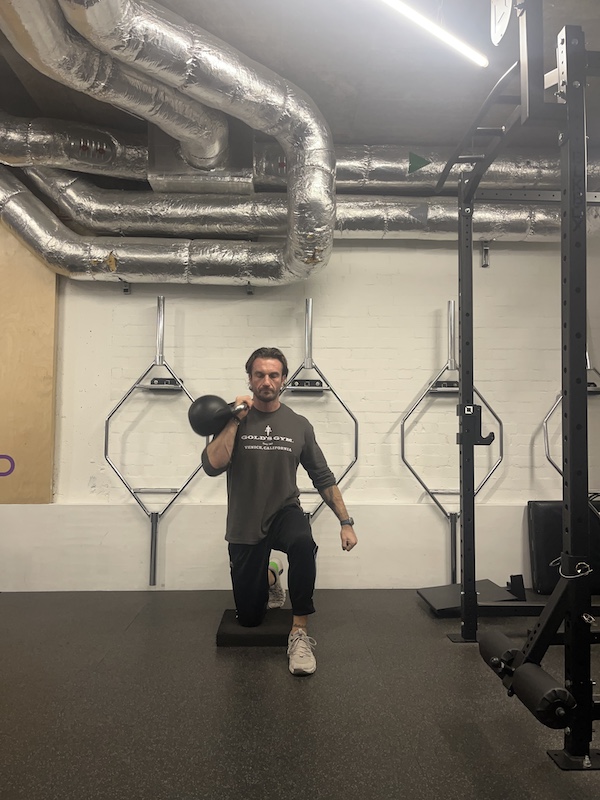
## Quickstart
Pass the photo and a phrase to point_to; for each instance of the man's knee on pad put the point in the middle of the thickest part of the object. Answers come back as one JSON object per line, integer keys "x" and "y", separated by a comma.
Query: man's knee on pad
{"x": 250, "y": 620}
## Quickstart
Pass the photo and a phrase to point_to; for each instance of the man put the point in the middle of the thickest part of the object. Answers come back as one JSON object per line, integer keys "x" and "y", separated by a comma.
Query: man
{"x": 261, "y": 449}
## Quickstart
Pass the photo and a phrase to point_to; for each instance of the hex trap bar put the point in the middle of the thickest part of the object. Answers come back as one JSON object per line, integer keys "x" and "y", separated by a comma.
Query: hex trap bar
{"x": 173, "y": 384}
{"x": 593, "y": 388}
{"x": 317, "y": 386}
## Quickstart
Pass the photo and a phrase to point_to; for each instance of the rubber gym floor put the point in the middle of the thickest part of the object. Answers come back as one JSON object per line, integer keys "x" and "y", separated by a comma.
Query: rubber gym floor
{"x": 124, "y": 696}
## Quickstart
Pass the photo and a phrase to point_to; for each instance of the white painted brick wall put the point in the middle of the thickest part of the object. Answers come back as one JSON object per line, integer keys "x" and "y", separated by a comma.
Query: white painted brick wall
{"x": 379, "y": 336}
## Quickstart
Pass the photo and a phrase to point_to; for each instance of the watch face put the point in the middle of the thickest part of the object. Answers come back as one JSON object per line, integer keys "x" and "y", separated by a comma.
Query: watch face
{"x": 501, "y": 11}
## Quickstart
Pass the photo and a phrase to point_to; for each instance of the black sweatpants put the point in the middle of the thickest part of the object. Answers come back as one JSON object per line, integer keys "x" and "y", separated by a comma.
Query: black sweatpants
{"x": 291, "y": 534}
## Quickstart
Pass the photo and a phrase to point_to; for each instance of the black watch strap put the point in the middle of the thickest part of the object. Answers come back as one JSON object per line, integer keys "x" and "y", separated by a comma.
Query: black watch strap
{"x": 348, "y": 521}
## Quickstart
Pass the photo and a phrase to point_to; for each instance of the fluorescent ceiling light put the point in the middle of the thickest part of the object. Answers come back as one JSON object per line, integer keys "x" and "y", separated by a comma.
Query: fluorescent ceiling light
{"x": 435, "y": 30}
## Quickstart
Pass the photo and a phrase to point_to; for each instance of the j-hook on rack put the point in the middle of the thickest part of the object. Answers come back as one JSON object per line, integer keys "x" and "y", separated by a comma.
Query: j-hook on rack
{"x": 156, "y": 384}
{"x": 317, "y": 386}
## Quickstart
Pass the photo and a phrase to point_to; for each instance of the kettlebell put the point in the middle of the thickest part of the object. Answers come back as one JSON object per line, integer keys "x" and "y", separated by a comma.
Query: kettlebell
{"x": 209, "y": 414}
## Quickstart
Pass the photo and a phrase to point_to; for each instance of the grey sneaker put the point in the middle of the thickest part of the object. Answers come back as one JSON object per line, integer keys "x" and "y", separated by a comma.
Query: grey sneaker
{"x": 276, "y": 592}
{"x": 302, "y": 660}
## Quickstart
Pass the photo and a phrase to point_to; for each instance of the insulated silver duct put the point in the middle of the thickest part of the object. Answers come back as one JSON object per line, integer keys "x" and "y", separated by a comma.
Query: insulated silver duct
{"x": 165, "y": 46}
{"x": 72, "y": 145}
{"x": 387, "y": 169}
{"x": 134, "y": 260}
{"x": 38, "y": 31}
{"x": 381, "y": 169}
{"x": 358, "y": 217}
{"x": 147, "y": 213}
{"x": 436, "y": 219}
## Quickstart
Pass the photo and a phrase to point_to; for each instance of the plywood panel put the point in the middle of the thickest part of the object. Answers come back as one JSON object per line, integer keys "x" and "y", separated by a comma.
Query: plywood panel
{"x": 27, "y": 374}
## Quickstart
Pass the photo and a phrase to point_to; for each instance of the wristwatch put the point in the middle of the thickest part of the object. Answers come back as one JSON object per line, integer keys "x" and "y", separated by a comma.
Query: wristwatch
{"x": 348, "y": 521}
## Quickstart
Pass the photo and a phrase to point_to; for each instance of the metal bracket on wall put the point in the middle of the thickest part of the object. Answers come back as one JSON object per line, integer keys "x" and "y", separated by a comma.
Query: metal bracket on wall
{"x": 485, "y": 255}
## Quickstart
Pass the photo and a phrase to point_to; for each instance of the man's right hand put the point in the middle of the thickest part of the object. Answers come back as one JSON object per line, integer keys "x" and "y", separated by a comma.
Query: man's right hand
{"x": 248, "y": 401}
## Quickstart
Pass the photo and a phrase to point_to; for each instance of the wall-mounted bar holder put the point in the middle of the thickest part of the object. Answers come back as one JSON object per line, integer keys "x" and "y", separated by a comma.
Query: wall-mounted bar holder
{"x": 448, "y": 385}
{"x": 317, "y": 386}
{"x": 155, "y": 384}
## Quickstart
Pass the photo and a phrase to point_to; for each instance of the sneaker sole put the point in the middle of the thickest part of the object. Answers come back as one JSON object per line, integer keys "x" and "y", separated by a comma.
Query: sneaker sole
{"x": 301, "y": 672}
{"x": 276, "y": 603}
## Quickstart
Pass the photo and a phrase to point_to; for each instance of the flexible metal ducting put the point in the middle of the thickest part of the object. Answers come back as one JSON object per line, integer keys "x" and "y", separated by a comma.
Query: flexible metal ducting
{"x": 185, "y": 57}
{"x": 385, "y": 169}
{"x": 358, "y": 217}
{"x": 302, "y": 158}
{"x": 133, "y": 260}
{"x": 72, "y": 145}
{"x": 382, "y": 169}
{"x": 38, "y": 31}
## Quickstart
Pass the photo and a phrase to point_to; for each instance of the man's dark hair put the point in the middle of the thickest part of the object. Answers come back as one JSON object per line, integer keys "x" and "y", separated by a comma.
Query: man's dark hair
{"x": 267, "y": 352}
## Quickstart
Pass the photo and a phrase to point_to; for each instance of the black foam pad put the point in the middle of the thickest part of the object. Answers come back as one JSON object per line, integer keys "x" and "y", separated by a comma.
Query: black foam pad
{"x": 545, "y": 544}
{"x": 495, "y": 645}
{"x": 272, "y": 632}
{"x": 548, "y": 701}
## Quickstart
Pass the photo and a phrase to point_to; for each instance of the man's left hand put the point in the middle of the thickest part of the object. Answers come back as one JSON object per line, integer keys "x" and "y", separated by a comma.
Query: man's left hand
{"x": 349, "y": 539}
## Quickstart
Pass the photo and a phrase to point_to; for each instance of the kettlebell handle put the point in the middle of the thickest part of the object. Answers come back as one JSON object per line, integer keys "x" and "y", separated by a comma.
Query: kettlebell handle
{"x": 235, "y": 410}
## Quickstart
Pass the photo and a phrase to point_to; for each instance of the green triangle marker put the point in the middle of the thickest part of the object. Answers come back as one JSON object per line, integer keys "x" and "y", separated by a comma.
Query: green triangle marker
{"x": 416, "y": 162}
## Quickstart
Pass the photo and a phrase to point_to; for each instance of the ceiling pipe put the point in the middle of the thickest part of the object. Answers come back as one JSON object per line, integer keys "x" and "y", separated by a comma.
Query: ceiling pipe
{"x": 271, "y": 105}
{"x": 147, "y": 213}
{"x": 379, "y": 170}
{"x": 389, "y": 169}
{"x": 173, "y": 51}
{"x": 134, "y": 260}
{"x": 38, "y": 32}
{"x": 72, "y": 145}
{"x": 144, "y": 213}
